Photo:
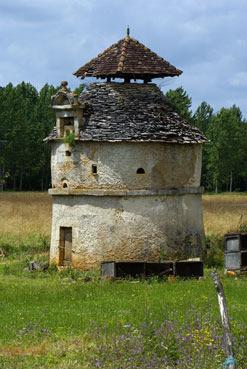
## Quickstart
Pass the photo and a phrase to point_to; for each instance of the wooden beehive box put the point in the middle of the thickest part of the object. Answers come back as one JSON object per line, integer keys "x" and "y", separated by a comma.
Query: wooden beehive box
{"x": 236, "y": 251}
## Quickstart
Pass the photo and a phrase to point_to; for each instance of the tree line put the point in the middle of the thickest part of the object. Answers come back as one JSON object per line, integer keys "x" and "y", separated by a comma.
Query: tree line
{"x": 26, "y": 119}
{"x": 224, "y": 157}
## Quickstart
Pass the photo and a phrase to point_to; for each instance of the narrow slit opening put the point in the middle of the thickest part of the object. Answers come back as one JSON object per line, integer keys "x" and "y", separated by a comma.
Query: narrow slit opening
{"x": 94, "y": 169}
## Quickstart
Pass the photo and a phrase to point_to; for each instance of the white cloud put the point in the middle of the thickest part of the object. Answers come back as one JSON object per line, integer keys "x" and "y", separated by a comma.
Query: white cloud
{"x": 239, "y": 80}
{"x": 46, "y": 41}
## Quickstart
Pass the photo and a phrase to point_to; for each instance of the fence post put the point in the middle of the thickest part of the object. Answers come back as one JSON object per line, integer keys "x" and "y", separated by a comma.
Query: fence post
{"x": 230, "y": 362}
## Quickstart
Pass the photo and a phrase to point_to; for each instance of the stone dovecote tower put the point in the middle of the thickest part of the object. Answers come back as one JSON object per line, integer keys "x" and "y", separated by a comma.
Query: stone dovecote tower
{"x": 125, "y": 166}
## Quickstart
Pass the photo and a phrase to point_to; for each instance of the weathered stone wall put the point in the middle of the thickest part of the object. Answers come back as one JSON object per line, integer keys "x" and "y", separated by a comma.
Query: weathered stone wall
{"x": 143, "y": 228}
{"x": 117, "y": 214}
{"x": 165, "y": 165}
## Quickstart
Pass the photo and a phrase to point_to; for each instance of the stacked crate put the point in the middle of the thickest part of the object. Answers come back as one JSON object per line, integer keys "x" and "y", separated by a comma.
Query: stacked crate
{"x": 184, "y": 269}
{"x": 236, "y": 252}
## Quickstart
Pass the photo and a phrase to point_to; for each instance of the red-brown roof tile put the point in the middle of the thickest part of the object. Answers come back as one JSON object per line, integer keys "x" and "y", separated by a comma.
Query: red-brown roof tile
{"x": 128, "y": 58}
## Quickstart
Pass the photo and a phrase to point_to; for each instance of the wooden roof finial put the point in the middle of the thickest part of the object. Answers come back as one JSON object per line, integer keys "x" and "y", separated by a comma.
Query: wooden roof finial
{"x": 128, "y": 31}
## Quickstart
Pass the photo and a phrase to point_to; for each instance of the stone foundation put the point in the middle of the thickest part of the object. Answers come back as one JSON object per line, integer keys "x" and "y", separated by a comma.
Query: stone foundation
{"x": 138, "y": 225}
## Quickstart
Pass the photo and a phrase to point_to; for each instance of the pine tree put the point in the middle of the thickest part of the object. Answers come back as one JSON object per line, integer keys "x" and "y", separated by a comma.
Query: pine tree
{"x": 181, "y": 102}
{"x": 202, "y": 119}
{"x": 226, "y": 158}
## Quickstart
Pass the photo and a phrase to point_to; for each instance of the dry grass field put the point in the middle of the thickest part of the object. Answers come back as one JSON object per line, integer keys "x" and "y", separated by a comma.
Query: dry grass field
{"x": 24, "y": 213}
{"x": 30, "y": 213}
{"x": 225, "y": 213}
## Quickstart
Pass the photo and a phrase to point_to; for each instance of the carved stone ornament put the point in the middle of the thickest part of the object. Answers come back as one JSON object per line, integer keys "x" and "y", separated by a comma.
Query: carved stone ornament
{"x": 64, "y": 96}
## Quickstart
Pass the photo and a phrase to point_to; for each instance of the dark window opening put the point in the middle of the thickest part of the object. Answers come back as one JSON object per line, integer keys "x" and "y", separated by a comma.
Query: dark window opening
{"x": 94, "y": 169}
{"x": 68, "y": 153}
{"x": 66, "y": 125}
{"x": 140, "y": 171}
{"x": 65, "y": 185}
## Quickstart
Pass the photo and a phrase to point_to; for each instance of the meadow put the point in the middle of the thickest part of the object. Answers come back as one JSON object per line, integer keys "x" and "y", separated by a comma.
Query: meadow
{"x": 25, "y": 213}
{"x": 72, "y": 319}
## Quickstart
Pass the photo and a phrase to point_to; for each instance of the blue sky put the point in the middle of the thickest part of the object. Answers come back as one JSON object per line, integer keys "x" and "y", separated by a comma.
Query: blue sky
{"x": 47, "y": 40}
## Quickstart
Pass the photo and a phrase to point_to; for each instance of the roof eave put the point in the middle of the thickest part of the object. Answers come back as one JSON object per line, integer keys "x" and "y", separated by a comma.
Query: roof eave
{"x": 165, "y": 141}
{"x": 119, "y": 74}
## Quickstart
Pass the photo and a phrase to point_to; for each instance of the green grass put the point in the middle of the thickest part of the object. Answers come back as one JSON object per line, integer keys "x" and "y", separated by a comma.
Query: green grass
{"x": 58, "y": 320}
{"x": 32, "y": 244}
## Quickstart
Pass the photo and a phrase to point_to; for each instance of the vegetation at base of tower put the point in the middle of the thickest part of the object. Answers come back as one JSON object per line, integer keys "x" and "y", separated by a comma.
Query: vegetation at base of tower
{"x": 26, "y": 119}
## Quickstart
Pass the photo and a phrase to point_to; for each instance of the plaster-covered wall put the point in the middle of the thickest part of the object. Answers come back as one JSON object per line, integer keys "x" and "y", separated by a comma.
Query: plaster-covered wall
{"x": 143, "y": 228}
{"x": 165, "y": 165}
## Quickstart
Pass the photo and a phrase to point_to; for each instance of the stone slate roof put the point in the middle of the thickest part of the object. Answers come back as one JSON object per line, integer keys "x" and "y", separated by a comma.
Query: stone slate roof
{"x": 132, "y": 112}
{"x": 128, "y": 57}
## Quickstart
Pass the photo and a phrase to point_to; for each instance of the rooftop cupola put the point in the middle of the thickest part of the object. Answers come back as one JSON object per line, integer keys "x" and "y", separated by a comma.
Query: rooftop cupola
{"x": 128, "y": 59}
{"x": 68, "y": 111}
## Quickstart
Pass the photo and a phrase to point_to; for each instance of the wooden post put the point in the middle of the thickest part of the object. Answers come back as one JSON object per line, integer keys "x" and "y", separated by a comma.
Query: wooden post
{"x": 230, "y": 362}
{"x": 231, "y": 180}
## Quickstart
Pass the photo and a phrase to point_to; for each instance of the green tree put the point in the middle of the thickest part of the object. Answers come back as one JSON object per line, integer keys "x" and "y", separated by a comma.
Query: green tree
{"x": 202, "y": 119}
{"x": 26, "y": 119}
{"x": 203, "y": 116}
{"x": 45, "y": 122}
{"x": 226, "y": 153}
{"x": 181, "y": 102}
{"x": 78, "y": 90}
{"x": 21, "y": 137}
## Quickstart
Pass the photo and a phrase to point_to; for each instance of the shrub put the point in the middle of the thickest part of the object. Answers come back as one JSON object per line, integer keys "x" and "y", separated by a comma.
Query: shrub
{"x": 69, "y": 139}
{"x": 214, "y": 245}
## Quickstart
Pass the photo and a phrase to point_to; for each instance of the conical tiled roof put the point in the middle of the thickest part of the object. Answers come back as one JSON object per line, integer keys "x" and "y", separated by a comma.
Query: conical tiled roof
{"x": 128, "y": 58}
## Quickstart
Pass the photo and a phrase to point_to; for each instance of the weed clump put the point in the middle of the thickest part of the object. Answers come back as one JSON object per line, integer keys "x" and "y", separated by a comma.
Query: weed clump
{"x": 69, "y": 139}
{"x": 12, "y": 246}
{"x": 214, "y": 251}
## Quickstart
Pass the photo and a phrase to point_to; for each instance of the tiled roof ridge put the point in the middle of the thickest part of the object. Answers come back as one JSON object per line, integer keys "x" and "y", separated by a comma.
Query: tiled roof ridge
{"x": 123, "y": 54}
